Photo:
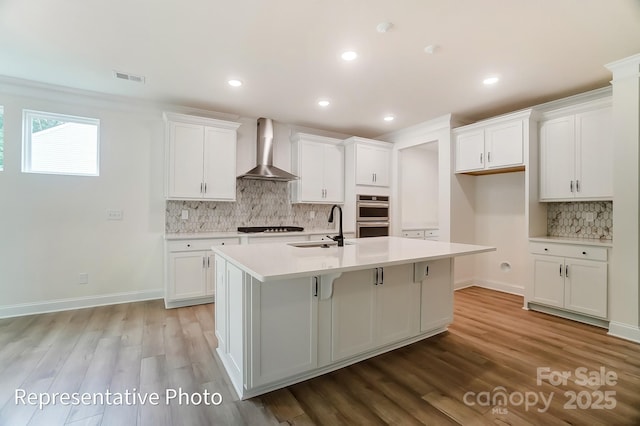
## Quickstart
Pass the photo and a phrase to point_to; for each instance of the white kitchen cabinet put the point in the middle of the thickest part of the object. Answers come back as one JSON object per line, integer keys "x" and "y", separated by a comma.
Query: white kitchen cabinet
{"x": 492, "y": 146}
{"x": 201, "y": 158}
{"x": 374, "y": 307}
{"x": 436, "y": 294}
{"x": 284, "y": 315}
{"x": 571, "y": 277}
{"x": 190, "y": 271}
{"x": 576, "y": 154}
{"x": 319, "y": 163}
{"x": 370, "y": 161}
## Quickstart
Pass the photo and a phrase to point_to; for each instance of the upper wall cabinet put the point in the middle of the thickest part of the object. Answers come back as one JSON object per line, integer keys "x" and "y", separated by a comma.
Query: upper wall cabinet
{"x": 201, "y": 158}
{"x": 371, "y": 161}
{"x": 319, "y": 163}
{"x": 576, "y": 153}
{"x": 496, "y": 145}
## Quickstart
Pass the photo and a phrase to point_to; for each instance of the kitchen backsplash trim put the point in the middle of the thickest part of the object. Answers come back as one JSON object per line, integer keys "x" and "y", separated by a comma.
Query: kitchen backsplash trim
{"x": 257, "y": 203}
{"x": 571, "y": 220}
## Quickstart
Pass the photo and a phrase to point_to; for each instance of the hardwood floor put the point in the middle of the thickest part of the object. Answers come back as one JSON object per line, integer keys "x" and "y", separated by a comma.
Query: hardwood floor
{"x": 449, "y": 379}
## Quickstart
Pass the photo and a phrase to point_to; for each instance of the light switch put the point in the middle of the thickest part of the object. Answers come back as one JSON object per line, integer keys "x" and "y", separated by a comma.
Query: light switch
{"x": 184, "y": 215}
{"x": 83, "y": 278}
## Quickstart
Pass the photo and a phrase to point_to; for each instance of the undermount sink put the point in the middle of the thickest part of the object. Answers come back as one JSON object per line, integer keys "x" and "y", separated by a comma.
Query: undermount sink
{"x": 317, "y": 244}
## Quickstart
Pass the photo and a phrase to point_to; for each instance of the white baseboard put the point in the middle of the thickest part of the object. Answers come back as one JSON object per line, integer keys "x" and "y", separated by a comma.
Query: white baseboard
{"x": 624, "y": 331}
{"x": 78, "y": 303}
{"x": 459, "y": 285}
{"x": 498, "y": 286}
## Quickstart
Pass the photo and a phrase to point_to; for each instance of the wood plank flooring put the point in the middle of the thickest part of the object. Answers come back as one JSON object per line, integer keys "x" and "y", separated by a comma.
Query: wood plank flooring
{"x": 492, "y": 346}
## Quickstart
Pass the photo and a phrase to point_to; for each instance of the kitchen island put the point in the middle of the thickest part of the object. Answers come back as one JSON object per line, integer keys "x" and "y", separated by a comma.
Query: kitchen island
{"x": 287, "y": 312}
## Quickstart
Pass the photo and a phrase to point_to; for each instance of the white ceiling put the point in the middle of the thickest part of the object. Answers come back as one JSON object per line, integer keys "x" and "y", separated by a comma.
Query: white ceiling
{"x": 287, "y": 53}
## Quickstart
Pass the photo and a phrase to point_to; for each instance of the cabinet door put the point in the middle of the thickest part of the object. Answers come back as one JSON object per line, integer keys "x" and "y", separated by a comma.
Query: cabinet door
{"x": 210, "y": 286}
{"x": 397, "y": 305}
{"x": 557, "y": 158}
{"x": 470, "y": 151}
{"x": 436, "y": 296}
{"x": 548, "y": 280}
{"x": 311, "y": 171}
{"x": 504, "y": 145}
{"x": 187, "y": 275}
{"x": 221, "y": 303}
{"x": 219, "y": 164}
{"x": 372, "y": 165}
{"x": 586, "y": 287}
{"x": 284, "y": 329}
{"x": 185, "y": 160}
{"x": 352, "y": 314}
{"x": 594, "y": 154}
{"x": 333, "y": 174}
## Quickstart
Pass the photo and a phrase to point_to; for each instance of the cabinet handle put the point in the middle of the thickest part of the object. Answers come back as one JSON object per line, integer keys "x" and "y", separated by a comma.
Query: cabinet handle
{"x": 201, "y": 187}
{"x": 566, "y": 271}
{"x": 560, "y": 270}
{"x": 546, "y": 249}
{"x": 571, "y": 186}
{"x": 377, "y": 276}
{"x": 204, "y": 260}
{"x": 208, "y": 262}
{"x": 427, "y": 271}
{"x": 481, "y": 154}
{"x": 584, "y": 252}
{"x": 315, "y": 286}
{"x": 489, "y": 157}
{"x": 205, "y": 187}
{"x": 381, "y": 276}
{"x": 577, "y": 186}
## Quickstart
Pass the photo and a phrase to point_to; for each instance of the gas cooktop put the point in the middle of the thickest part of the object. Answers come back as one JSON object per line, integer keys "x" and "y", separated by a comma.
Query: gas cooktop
{"x": 254, "y": 229}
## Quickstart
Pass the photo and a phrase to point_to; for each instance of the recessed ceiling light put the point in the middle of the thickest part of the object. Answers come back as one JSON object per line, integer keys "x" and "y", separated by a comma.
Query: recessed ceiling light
{"x": 235, "y": 83}
{"x": 431, "y": 49}
{"x": 389, "y": 118}
{"x": 490, "y": 80}
{"x": 323, "y": 103}
{"x": 349, "y": 55}
{"x": 383, "y": 27}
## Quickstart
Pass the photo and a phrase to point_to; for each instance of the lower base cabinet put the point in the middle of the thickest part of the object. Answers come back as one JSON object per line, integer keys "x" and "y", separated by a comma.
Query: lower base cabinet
{"x": 372, "y": 308}
{"x": 280, "y": 332}
{"x": 568, "y": 282}
{"x": 190, "y": 271}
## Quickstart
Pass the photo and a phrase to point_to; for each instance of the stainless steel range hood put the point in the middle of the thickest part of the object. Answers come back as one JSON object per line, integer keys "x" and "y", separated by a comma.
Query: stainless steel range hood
{"x": 265, "y": 170}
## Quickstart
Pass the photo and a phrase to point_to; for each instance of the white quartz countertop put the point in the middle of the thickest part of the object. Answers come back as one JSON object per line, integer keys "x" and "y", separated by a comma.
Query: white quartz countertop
{"x": 579, "y": 241}
{"x": 277, "y": 261}
{"x": 232, "y": 234}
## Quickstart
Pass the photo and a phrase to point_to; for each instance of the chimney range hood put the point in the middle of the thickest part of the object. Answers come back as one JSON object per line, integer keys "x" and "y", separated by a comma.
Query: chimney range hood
{"x": 265, "y": 170}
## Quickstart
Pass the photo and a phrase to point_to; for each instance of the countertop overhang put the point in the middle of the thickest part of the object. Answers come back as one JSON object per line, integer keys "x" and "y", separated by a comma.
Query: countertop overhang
{"x": 279, "y": 261}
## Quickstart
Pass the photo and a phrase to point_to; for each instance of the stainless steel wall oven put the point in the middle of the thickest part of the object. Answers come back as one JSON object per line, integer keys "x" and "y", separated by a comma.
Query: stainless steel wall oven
{"x": 372, "y": 216}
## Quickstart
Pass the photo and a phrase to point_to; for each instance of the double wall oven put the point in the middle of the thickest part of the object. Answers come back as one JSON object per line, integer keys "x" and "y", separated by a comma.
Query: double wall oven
{"x": 372, "y": 216}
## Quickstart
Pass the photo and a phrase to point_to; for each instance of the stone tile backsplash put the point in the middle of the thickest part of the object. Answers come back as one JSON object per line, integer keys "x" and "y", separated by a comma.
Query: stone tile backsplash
{"x": 257, "y": 203}
{"x": 572, "y": 219}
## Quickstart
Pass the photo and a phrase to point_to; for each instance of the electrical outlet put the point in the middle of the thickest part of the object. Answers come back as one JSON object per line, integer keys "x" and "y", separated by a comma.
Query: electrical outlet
{"x": 83, "y": 278}
{"x": 589, "y": 217}
{"x": 184, "y": 215}
{"x": 312, "y": 214}
{"x": 114, "y": 214}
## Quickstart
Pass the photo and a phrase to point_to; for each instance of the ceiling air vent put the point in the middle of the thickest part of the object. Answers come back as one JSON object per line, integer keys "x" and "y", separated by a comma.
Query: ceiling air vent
{"x": 130, "y": 77}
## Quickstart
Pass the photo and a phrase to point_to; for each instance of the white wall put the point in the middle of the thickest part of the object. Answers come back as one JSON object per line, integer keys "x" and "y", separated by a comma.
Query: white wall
{"x": 419, "y": 183}
{"x": 500, "y": 222}
{"x": 54, "y": 227}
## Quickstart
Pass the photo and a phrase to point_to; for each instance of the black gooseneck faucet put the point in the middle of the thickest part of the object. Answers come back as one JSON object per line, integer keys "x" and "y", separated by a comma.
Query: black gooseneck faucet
{"x": 340, "y": 237}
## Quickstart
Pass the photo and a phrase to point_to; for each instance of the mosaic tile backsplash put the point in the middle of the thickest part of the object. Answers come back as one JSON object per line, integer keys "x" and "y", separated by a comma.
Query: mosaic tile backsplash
{"x": 572, "y": 219}
{"x": 258, "y": 203}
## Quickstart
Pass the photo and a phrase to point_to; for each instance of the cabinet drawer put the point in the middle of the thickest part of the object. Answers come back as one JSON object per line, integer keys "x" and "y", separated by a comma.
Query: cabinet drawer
{"x": 568, "y": 250}
{"x": 432, "y": 233}
{"x": 195, "y": 245}
{"x": 413, "y": 234}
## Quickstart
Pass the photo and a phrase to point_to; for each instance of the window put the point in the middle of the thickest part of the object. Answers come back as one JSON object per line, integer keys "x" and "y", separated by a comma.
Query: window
{"x": 1, "y": 138}
{"x": 60, "y": 144}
